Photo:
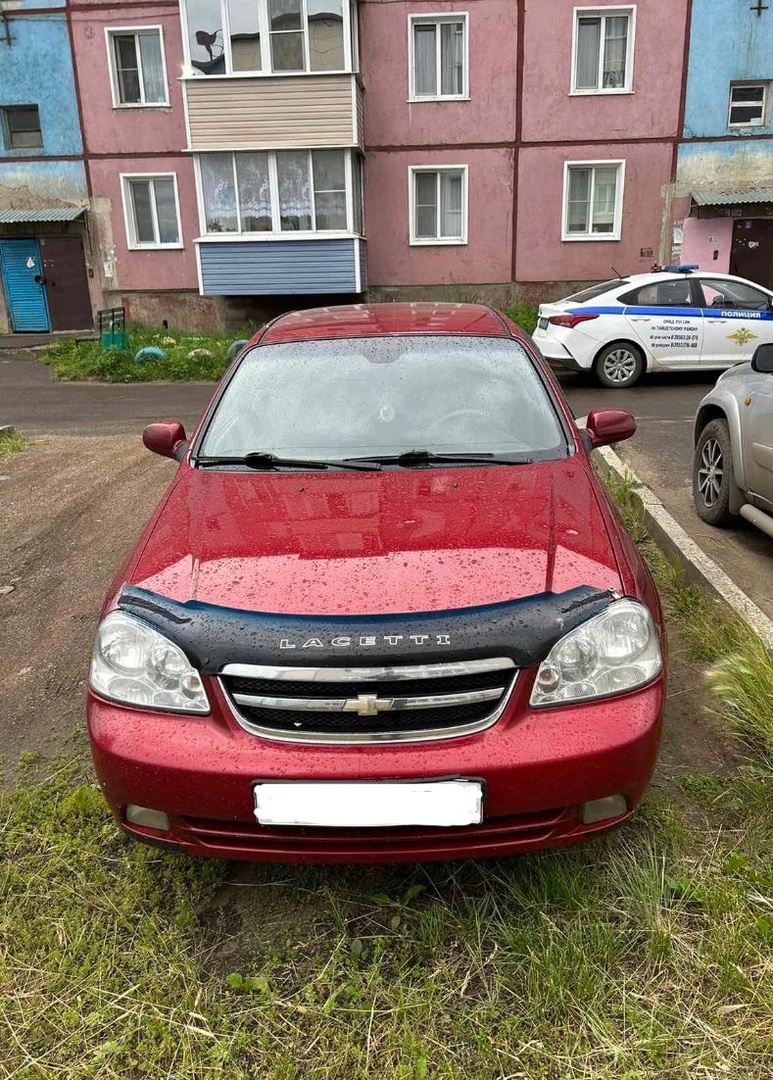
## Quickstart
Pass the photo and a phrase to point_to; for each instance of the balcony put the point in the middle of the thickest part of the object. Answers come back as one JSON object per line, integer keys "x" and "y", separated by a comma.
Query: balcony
{"x": 274, "y": 113}
{"x": 271, "y": 267}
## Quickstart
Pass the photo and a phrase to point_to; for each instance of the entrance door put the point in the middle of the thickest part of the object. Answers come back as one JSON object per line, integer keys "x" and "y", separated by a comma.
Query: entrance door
{"x": 751, "y": 256}
{"x": 64, "y": 269}
{"x": 22, "y": 274}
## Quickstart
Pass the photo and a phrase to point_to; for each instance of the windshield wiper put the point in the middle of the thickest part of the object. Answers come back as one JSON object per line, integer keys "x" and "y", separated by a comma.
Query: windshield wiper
{"x": 410, "y": 458}
{"x": 261, "y": 460}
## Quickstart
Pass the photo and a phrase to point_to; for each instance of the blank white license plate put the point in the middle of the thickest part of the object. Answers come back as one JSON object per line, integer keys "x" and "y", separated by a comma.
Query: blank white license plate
{"x": 440, "y": 802}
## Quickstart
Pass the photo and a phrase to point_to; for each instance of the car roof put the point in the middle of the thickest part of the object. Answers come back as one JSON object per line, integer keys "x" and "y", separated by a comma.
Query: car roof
{"x": 379, "y": 320}
{"x": 674, "y": 275}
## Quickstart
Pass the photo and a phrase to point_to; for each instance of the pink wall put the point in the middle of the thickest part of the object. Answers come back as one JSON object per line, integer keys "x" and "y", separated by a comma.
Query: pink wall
{"x": 486, "y": 258}
{"x": 164, "y": 269}
{"x": 703, "y": 237}
{"x": 550, "y": 113}
{"x": 126, "y": 130}
{"x": 489, "y": 115}
{"x": 543, "y": 256}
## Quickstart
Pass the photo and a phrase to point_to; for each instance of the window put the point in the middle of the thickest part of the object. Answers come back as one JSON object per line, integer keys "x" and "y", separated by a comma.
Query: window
{"x": 137, "y": 66}
{"x": 225, "y": 37}
{"x": 438, "y": 210}
{"x": 152, "y": 212}
{"x": 593, "y": 200}
{"x": 438, "y": 57}
{"x": 281, "y": 191}
{"x": 669, "y": 292}
{"x": 722, "y": 293}
{"x": 748, "y": 104}
{"x": 603, "y": 51}
{"x": 21, "y": 127}
{"x": 597, "y": 290}
{"x": 385, "y": 395}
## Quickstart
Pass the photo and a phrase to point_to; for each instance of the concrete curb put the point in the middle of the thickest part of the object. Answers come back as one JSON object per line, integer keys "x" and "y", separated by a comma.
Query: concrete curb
{"x": 679, "y": 548}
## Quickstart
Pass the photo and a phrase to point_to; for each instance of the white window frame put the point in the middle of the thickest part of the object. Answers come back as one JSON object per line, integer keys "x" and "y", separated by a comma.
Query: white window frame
{"x": 747, "y": 85}
{"x": 277, "y": 233}
{"x": 618, "y": 221}
{"x": 437, "y": 18}
{"x": 116, "y": 31}
{"x": 604, "y": 13}
{"x": 128, "y": 212}
{"x": 437, "y": 241}
{"x": 265, "y": 45}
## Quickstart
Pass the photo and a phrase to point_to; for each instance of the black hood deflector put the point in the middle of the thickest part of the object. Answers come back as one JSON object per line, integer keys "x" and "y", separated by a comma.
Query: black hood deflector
{"x": 212, "y": 636}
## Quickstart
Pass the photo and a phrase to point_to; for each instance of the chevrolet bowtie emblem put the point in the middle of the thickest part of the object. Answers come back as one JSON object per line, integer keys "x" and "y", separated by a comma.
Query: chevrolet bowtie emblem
{"x": 368, "y": 705}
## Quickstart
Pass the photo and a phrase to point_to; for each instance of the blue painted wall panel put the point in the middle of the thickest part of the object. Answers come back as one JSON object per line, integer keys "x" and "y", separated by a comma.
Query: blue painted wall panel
{"x": 46, "y": 182}
{"x": 728, "y": 43}
{"x": 278, "y": 267}
{"x": 36, "y": 69}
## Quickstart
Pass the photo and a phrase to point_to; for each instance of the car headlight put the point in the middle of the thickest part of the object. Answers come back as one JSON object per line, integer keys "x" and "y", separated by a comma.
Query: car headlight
{"x": 136, "y": 665}
{"x": 611, "y": 653}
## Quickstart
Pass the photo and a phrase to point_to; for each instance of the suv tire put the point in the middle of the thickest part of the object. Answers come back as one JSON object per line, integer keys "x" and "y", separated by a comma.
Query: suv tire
{"x": 712, "y": 474}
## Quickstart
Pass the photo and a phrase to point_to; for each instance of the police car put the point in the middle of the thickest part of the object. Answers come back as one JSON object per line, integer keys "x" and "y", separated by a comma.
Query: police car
{"x": 679, "y": 318}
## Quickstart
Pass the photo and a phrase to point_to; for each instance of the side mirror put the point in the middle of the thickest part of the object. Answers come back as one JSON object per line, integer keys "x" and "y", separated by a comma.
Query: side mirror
{"x": 762, "y": 360}
{"x": 606, "y": 426}
{"x": 165, "y": 437}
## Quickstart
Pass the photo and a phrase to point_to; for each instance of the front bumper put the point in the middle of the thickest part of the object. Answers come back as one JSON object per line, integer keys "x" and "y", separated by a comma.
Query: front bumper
{"x": 538, "y": 768}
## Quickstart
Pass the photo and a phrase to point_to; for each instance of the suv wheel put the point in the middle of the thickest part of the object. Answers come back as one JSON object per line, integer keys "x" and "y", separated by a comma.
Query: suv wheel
{"x": 619, "y": 365}
{"x": 712, "y": 474}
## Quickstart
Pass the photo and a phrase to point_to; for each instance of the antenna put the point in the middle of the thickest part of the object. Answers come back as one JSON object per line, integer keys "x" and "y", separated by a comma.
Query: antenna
{"x": 620, "y": 276}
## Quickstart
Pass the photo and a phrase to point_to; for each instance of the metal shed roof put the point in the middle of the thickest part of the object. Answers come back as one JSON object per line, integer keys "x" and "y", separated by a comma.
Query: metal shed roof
{"x": 732, "y": 198}
{"x": 59, "y": 213}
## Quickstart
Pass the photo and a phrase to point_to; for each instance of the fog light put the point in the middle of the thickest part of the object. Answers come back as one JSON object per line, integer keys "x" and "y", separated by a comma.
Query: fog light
{"x": 601, "y": 809}
{"x": 150, "y": 819}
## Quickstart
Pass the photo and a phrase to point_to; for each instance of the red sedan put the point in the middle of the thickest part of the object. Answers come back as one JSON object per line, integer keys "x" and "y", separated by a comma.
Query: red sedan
{"x": 385, "y": 610}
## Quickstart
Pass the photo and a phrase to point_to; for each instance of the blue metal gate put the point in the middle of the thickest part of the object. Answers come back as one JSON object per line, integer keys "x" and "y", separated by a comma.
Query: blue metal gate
{"x": 20, "y": 266}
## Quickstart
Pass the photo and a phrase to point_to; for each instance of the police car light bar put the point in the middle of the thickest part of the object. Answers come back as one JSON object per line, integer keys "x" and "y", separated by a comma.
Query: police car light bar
{"x": 686, "y": 268}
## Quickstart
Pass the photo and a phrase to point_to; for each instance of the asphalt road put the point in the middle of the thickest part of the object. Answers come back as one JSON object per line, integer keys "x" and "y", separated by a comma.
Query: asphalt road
{"x": 36, "y": 403}
{"x": 660, "y": 452}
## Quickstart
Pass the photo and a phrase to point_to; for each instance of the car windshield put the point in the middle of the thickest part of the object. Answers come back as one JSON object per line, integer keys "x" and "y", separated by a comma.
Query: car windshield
{"x": 360, "y": 397}
{"x": 596, "y": 290}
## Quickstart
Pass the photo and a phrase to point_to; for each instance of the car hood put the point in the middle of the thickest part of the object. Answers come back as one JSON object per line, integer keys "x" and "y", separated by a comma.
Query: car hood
{"x": 395, "y": 541}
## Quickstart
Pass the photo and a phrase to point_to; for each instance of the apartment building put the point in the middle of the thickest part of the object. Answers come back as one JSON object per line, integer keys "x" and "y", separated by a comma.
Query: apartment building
{"x": 244, "y": 156}
{"x": 224, "y": 141}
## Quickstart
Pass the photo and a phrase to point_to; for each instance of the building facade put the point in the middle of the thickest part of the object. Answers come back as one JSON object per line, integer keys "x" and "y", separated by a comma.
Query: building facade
{"x": 723, "y": 188}
{"x": 46, "y": 252}
{"x": 239, "y": 157}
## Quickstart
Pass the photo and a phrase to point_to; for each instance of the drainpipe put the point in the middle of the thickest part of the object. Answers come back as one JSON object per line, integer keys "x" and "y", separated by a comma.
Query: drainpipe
{"x": 6, "y": 27}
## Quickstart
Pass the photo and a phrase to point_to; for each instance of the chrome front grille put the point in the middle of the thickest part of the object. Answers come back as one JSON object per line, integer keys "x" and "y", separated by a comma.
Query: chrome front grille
{"x": 351, "y": 705}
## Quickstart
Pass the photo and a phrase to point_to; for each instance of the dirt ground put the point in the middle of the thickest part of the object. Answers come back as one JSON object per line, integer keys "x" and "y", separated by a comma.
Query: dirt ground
{"x": 70, "y": 510}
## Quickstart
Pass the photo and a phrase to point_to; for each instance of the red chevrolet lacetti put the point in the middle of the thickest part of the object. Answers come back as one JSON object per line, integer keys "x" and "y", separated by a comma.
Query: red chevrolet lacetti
{"x": 384, "y": 611}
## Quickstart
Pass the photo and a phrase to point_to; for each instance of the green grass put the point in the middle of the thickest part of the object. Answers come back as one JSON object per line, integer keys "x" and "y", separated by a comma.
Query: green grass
{"x": 646, "y": 954}
{"x": 189, "y": 357}
{"x": 643, "y": 955}
{"x": 11, "y": 442}
{"x": 523, "y": 315}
